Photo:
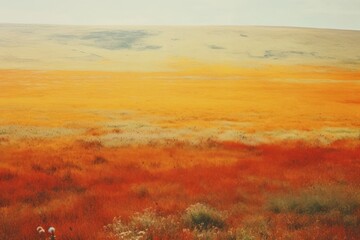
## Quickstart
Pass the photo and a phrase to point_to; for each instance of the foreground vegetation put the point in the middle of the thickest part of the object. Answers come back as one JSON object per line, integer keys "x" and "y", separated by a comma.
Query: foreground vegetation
{"x": 327, "y": 208}
{"x": 210, "y": 191}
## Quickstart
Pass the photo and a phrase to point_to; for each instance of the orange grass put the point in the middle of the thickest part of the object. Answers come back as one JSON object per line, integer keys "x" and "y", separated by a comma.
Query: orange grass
{"x": 80, "y": 148}
{"x": 80, "y": 99}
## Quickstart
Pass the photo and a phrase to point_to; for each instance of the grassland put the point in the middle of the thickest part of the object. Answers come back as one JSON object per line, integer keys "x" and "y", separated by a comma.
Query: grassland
{"x": 267, "y": 190}
{"x": 180, "y": 133}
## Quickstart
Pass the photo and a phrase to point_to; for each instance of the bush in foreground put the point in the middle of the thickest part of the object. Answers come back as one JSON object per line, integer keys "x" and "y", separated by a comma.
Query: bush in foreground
{"x": 198, "y": 222}
{"x": 200, "y": 216}
{"x": 145, "y": 225}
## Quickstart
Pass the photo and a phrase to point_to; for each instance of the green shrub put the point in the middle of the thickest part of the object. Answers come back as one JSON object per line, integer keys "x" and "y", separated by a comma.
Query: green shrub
{"x": 200, "y": 216}
{"x": 316, "y": 200}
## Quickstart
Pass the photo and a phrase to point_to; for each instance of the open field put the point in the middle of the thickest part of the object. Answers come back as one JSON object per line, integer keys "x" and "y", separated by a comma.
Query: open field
{"x": 80, "y": 187}
{"x": 181, "y": 133}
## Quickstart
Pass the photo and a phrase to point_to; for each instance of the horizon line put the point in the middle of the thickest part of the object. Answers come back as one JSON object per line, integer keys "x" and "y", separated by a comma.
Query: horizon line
{"x": 178, "y": 25}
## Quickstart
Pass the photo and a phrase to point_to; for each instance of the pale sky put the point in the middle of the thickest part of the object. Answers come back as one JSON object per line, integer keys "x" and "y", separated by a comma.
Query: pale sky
{"x": 340, "y": 14}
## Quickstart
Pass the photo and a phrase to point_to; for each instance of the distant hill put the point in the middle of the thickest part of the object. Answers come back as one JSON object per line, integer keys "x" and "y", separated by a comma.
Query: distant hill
{"x": 161, "y": 48}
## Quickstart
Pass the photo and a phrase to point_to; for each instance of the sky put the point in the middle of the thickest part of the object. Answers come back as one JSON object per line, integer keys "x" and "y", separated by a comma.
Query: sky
{"x": 337, "y": 14}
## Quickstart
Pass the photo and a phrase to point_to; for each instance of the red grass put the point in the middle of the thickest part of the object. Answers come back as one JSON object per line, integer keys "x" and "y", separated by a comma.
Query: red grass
{"x": 69, "y": 188}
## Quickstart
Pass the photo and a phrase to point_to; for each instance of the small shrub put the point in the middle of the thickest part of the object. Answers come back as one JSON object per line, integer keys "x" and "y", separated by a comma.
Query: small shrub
{"x": 119, "y": 230}
{"x": 200, "y": 216}
{"x": 144, "y": 225}
{"x": 145, "y": 220}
